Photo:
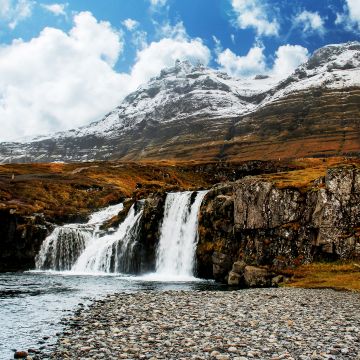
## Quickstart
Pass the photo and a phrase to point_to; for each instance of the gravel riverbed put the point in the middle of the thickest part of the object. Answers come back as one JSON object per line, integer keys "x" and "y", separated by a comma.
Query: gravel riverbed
{"x": 245, "y": 324}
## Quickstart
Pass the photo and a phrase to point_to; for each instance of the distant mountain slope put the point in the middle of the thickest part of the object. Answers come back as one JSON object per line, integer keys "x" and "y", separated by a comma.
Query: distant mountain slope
{"x": 193, "y": 112}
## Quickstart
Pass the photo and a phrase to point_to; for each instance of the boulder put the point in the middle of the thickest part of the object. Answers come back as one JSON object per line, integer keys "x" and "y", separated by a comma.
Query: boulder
{"x": 20, "y": 354}
{"x": 257, "y": 277}
{"x": 234, "y": 279}
{"x": 239, "y": 267}
{"x": 221, "y": 265}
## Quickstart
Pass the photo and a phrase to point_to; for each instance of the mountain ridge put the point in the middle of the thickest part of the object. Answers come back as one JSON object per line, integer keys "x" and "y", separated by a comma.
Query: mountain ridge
{"x": 186, "y": 100}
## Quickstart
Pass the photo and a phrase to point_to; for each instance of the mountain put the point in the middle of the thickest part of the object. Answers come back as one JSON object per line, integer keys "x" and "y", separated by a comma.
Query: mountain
{"x": 193, "y": 112}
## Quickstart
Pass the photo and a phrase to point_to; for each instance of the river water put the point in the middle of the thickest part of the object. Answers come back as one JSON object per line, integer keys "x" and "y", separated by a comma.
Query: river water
{"x": 85, "y": 264}
{"x": 33, "y": 303}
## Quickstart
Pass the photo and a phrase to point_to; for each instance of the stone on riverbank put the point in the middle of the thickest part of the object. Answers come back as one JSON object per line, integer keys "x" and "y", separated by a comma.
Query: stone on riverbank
{"x": 20, "y": 354}
{"x": 258, "y": 323}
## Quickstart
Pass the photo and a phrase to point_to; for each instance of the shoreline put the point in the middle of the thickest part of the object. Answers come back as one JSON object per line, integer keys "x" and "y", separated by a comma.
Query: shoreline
{"x": 282, "y": 323}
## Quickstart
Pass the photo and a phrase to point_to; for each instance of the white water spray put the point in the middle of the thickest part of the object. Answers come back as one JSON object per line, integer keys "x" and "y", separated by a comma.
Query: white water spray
{"x": 84, "y": 248}
{"x": 179, "y": 235}
{"x": 112, "y": 252}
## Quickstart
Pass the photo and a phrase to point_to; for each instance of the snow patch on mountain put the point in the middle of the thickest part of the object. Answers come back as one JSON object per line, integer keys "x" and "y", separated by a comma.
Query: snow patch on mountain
{"x": 185, "y": 91}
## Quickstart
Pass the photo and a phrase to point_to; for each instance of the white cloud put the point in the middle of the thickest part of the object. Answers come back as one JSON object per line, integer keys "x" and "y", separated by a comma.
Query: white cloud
{"x": 287, "y": 59}
{"x": 56, "y": 9}
{"x": 139, "y": 39}
{"x": 164, "y": 53}
{"x": 254, "y": 14}
{"x": 167, "y": 30}
{"x": 310, "y": 22}
{"x": 218, "y": 47}
{"x": 242, "y": 66}
{"x": 232, "y": 36}
{"x": 130, "y": 24}
{"x": 13, "y": 12}
{"x": 350, "y": 18}
{"x": 5, "y": 8}
{"x": 354, "y": 10}
{"x": 61, "y": 80}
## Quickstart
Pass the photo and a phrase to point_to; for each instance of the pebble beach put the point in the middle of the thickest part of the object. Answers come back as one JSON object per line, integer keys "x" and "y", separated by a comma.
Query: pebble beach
{"x": 246, "y": 324}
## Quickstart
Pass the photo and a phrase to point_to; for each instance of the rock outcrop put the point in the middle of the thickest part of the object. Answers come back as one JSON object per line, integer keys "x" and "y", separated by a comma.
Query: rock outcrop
{"x": 261, "y": 224}
{"x": 149, "y": 233}
{"x": 20, "y": 240}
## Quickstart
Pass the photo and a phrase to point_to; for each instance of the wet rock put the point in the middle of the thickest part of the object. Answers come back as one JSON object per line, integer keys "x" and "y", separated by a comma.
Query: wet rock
{"x": 20, "y": 354}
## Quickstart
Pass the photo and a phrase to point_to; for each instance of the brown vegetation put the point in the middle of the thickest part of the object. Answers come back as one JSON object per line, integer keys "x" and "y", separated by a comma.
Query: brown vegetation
{"x": 59, "y": 189}
{"x": 338, "y": 276}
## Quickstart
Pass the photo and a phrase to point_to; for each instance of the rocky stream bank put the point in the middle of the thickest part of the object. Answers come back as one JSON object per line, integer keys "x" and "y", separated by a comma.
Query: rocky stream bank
{"x": 246, "y": 324}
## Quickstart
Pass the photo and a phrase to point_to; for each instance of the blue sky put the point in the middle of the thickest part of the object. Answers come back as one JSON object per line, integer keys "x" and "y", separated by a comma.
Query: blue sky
{"x": 65, "y": 64}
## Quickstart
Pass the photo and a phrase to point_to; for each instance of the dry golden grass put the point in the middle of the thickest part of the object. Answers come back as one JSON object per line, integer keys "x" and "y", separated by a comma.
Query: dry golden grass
{"x": 312, "y": 170}
{"x": 60, "y": 189}
{"x": 339, "y": 276}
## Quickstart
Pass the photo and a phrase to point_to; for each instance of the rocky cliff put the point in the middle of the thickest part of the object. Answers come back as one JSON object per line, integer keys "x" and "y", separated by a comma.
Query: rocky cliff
{"x": 41, "y": 196}
{"x": 258, "y": 225}
{"x": 20, "y": 241}
{"x": 249, "y": 229}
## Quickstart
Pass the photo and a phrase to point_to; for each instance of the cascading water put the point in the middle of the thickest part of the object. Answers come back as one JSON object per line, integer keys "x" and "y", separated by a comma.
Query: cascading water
{"x": 112, "y": 252}
{"x": 64, "y": 245}
{"x": 178, "y": 239}
{"x": 84, "y": 248}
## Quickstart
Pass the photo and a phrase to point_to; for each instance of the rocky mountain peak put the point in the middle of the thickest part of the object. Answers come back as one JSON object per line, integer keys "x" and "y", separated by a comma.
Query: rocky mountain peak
{"x": 186, "y": 98}
{"x": 341, "y": 56}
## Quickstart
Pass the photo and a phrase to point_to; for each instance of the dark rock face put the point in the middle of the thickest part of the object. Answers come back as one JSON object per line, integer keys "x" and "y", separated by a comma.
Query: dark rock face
{"x": 216, "y": 222}
{"x": 276, "y": 227}
{"x": 20, "y": 240}
{"x": 149, "y": 233}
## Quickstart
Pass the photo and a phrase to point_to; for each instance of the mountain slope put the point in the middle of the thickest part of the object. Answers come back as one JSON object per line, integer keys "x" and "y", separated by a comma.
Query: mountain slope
{"x": 192, "y": 112}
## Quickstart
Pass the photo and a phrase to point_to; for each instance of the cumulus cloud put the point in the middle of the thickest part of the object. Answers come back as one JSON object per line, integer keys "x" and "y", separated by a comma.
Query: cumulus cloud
{"x": 164, "y": 53}
{"x": 254, "y": 14}
{"x": 243, "y": 66}
{"x": 130, "y": 24}
{"x": 354, "y": 10}
{"x": 56, "y": 9}
{"x": 61, "y": 80}
{"x": 310, "y": 22}
{"x": 13, "y": 12}
{"x": 350, "y": 18}
{"x": 287, "y": 59}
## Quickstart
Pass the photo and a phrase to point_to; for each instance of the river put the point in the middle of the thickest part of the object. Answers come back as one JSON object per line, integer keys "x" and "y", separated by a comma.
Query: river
{"x": 32, "y": 304}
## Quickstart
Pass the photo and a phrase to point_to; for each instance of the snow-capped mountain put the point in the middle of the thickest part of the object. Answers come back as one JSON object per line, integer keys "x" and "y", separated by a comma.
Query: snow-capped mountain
{"x": 196, "y": 112}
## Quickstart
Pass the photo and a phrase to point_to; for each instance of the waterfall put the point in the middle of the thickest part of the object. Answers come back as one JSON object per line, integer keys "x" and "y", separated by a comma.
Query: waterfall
{"x": 179, "y": 236}
{"x": 112, "y": 252}
{"x": 84, "y": 248}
